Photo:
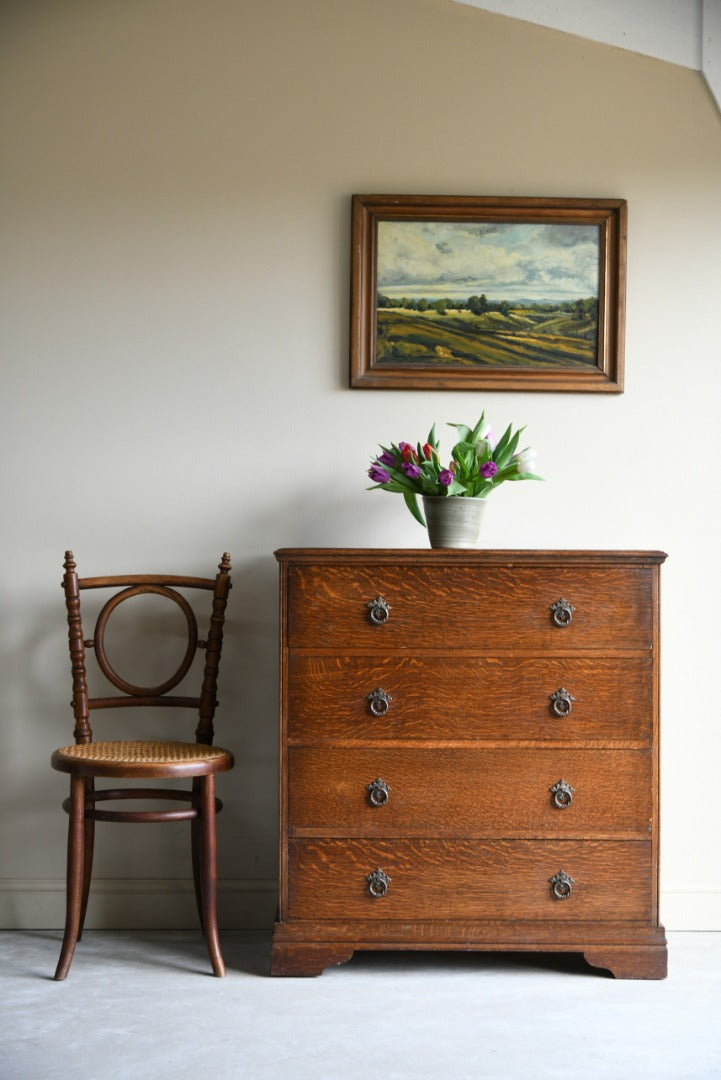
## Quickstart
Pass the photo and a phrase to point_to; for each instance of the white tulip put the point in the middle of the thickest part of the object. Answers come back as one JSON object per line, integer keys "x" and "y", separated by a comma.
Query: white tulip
{"x": 526, "y": 460}
{"x": 489, "y": 435}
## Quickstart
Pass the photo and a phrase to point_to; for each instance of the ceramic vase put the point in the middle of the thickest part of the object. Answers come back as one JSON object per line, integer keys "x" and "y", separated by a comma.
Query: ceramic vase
{"x": 453, "y": 521}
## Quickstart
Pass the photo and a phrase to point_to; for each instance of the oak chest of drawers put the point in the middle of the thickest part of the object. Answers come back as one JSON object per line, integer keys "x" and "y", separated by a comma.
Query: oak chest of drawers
{"x": 469, "y": 755}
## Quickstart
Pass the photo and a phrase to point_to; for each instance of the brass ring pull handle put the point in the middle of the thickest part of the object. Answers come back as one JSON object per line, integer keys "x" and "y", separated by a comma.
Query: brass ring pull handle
{"x": 562, "y": 794}
{"x": 378, "y": 883}
{"x": 562, "y": 612}
{"x": 379, "y": 610}
{"x": 561, "y": 885}
{"x": 378, "y": 792}
{"x": 378, "y": 701}
{"x": 561, "y": 702}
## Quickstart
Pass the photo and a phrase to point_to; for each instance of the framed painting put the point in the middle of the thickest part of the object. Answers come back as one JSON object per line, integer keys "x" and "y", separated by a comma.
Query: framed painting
{"x": 481, "y": 293}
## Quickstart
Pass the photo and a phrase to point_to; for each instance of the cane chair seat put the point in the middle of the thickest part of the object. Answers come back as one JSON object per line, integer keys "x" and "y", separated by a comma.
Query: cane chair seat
{"x": 143, "y": 759}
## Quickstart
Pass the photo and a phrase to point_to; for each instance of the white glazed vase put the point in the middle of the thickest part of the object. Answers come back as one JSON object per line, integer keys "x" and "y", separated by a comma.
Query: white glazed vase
{"x": 454, "y": 521}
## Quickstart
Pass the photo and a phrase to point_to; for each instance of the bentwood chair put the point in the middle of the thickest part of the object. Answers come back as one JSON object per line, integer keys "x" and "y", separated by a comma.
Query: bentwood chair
{"x": 141, "y": 759}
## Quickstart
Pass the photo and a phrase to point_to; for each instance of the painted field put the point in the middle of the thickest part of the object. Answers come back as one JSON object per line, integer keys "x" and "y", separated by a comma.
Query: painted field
{"x": 520, "y": 338}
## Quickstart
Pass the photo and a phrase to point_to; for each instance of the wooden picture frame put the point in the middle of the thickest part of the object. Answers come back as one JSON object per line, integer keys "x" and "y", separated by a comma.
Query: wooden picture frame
{"x": 483, "y": 293}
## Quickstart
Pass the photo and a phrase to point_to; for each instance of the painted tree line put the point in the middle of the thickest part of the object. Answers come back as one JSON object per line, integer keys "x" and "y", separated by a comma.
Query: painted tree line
{"x": 586, "y": 308}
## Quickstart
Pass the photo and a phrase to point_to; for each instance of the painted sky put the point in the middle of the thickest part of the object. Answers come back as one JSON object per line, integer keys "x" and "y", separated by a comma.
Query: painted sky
{"x": 504, "y": 261}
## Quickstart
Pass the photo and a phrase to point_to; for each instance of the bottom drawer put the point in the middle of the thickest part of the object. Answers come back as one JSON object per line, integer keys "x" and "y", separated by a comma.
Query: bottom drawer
{"x": 469, "y": 879}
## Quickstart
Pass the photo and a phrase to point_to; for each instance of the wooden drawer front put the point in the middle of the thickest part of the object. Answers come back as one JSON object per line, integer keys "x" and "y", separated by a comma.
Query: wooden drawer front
{"x": 457, "y": 879}
{"x": 469, "y": 792}
{"x": 468, "y": 607}
{"x": 509, "y": 698}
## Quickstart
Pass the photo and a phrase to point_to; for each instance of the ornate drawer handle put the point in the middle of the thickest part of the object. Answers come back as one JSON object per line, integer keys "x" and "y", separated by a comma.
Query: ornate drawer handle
{"x": 562, "y": 612}
{"x": 561, "y": 702}
{"x": 561, "y": 885}
{"x": 378, "y": 883}
{"x": 562, "y": 794}
{"x": 379, "y": 610}
{"x": 378, "y": 792}
{"x": 379, "y": 701}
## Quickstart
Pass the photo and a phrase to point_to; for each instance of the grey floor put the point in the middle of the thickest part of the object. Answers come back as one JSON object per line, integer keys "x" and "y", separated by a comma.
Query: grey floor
{"x": 142, "y": 1005}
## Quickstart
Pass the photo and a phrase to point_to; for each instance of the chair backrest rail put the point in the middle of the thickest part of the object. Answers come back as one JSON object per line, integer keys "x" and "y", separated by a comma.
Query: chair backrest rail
{"x": 140, "y": 700}
{"x": 170, "y": 580}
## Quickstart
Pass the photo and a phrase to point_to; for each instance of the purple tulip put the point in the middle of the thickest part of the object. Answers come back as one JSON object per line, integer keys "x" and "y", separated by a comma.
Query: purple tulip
{"x": 387, "y": 458}
{"x": 488, "y": 470}
{"x": 445, "y": 477}
{"x": 378, "y": 475}
{"x": 411, "y": 470}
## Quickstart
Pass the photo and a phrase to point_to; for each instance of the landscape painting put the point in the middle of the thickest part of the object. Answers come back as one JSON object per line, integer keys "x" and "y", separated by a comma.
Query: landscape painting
{"x": 475, "y": 292}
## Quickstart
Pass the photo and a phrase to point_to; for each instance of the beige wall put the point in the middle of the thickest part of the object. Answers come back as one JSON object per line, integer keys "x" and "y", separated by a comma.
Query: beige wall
{"x": 175, "y": 249}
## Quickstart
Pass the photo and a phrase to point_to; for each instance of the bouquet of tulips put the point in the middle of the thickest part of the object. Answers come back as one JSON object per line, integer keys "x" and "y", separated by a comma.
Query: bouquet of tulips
{"x": 478, "y": 463}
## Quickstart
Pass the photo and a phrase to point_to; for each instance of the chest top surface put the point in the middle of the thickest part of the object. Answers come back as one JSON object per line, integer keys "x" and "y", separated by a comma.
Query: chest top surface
{"x": 472, "y": 557}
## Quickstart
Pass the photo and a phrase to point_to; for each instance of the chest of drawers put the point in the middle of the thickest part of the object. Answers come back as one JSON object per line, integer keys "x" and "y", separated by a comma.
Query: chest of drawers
{"x": 469, "y": 755}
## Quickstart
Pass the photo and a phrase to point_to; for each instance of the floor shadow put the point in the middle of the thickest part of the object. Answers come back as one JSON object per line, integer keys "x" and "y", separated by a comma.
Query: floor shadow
{"x": 247, "y": 952}
{"x": 466, "y": 961}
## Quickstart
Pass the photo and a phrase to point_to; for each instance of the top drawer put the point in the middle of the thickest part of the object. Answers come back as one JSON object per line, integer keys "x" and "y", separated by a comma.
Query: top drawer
{"x": 416, "y": 608}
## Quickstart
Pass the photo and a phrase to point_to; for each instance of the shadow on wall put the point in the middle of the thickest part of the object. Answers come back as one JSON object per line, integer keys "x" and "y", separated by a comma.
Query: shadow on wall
{"x": 247, "y": 720}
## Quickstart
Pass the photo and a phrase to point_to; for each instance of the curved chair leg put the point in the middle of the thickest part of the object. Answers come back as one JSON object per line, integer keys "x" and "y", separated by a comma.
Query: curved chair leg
{"x": 195, "y": 844}
{"x": 208, "y": 873}
{"x": 76, "y": 865}
{"x": 88, "y": 856}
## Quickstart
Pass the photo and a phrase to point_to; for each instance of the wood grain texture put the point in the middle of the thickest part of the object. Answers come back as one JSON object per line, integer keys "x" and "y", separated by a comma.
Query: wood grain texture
{"x": 299, "y": 957}
{"x": 630, "y": 961}
{"x": 469, "y": 697}
{"x": 437, "y": 933}
{"x": 469, "y": 879}
{"x": 310, "y": 958}
{"x": 469, "y": 747}
{"x": 454, "y": 558}
{"x": 431, "y": 608}
{"x": 469, "y": 792}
